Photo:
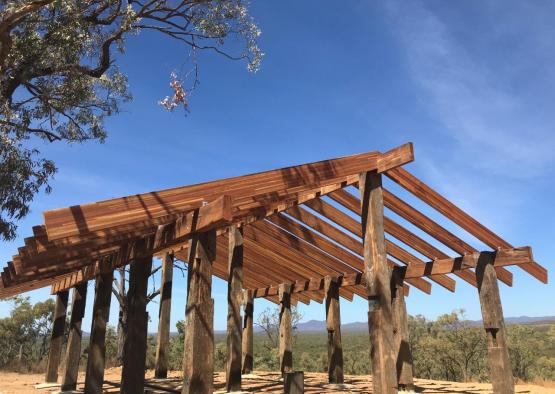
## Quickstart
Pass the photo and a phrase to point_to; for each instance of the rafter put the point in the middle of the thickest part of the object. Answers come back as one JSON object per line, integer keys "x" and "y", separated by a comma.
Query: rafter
{"x": 503, "y": 257}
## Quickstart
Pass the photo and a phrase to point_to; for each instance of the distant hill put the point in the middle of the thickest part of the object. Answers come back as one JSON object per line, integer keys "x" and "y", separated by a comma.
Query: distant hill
{"x": 320, "y": 325}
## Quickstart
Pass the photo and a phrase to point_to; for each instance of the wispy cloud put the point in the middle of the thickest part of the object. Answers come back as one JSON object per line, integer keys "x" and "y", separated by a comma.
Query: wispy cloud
{"x": 500, "y": 123}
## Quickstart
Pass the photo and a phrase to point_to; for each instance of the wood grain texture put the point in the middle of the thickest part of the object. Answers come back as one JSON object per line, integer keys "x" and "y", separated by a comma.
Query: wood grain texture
{"x": 56, "y": 337}
{"x": 492, "y": 316}
{"x": 163, "y": 338}
{"x": 96, "y": 359}
{"x": 248, "y": 333}
{"x": 75, "y": 337}
{"x": 135, "y": 346}
{"x": 198, "y": 360}
{"x": 285, "y": 329}
{"x": 377, "y": 275}
{"x": 458, "y": 216}
{"x": 333, "y": 325}
{"x": 234, "y": 297}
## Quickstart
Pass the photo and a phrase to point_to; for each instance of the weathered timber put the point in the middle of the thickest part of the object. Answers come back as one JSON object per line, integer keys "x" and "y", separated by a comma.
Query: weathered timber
{"x": 141, "y": 207}
{"x": 501, "y": 258}
{"x": 401, "y": 332}
{"x": 163, "y": 339}
{"x": 285, "y": 329}
{"x": 134, "y": 348}
{"x": 166, "y": 235}
{"x": 57, "y": 337}
{"x": 73, "y": 349}
{"x": 234, "y": 296}
{"x": 458, "y": 216}
{"x": 377, "y": 274}
{"x": 248, "y": 332}
{"x": 198, "y": 359}
{"x": 352, "y": 225}
{"x": 293, "y": 382}
{"x": 494, "y": 324}
{"x": 333, "y": 325}
{"x": 96, "y": 360}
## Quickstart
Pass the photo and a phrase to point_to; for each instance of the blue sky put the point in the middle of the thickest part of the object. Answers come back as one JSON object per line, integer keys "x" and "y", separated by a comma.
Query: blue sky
{"x": 470, "y": 83}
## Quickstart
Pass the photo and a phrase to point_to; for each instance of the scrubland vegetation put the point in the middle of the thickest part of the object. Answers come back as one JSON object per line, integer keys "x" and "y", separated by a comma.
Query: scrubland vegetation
{"x": 449, "y": 348}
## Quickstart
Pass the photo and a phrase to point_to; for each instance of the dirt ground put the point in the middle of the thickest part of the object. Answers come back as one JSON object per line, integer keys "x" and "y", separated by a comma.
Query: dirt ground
{"x": 264, "y": 382}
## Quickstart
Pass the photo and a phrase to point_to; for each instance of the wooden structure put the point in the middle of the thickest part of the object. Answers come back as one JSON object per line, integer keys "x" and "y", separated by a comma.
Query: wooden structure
{"x": 297, "y": 234}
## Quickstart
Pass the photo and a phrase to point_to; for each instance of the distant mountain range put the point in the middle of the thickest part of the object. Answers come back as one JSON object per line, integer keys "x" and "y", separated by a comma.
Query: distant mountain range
{"x": 320, "y": 325}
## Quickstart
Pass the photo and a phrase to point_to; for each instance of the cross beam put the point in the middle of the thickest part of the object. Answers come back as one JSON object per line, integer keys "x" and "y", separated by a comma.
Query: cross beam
{"x": 501, "y": 258}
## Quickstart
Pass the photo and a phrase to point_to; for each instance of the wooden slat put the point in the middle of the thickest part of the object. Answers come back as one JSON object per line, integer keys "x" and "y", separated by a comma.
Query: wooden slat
{"x": 458, "y": 216}
{"x": 84, "y": 218}
{"x": 433, "y": 229}
{"x": 500, "y": 258}
{"x": 344, "y": 240}
{"x": 394, "y": 229}
{"x": 216, "y": 214}
{"x": 347, "y": 222}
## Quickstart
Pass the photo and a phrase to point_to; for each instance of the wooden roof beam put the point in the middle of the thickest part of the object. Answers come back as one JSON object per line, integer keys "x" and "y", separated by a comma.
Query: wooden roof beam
{"x": 502, "y": 257}
{"x": 313, "y": 222}
{"x": 347, "y": 222}
{"x": 394, "y": 229}
{"x": 81, "y": 219}
{"x": 458, "y": 216}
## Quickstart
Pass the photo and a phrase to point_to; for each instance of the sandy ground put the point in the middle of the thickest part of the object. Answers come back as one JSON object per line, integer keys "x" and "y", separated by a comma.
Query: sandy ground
{"x": 264, "y": 382}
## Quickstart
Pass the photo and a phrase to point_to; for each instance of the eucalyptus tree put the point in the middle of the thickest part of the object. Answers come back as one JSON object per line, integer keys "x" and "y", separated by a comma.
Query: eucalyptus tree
{"x": 59, "y": 76}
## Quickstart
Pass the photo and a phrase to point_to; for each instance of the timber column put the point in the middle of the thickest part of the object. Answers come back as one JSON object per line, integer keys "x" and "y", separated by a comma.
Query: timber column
{"x": 377, "y": 274}
{"x": 57, "y": 337}
{"x": 73, "y": 351}
{"x": 162, "y": 345}
{"x": 285, "y": 334}
{"x": 248, "y": 338}
{"x": 134, "y": 348}
{"x": 494, "y": 324}
{"x": 333, "y": 324}
{"x": 97, "y": 348}
{"x": 401, "y": 330}
{"x": 198, "y": 359}
{"x": 234, "y": 295}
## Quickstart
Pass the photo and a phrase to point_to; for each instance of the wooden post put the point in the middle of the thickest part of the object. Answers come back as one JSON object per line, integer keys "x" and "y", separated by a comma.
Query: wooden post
{"x": 293, "y": 382}
{"x": 285, "y": 334}
{"x": 97, "y": 348}
{"x": 73, "y": 351}
{"x": 57, "y": 337}
{"x": 248, "y": 333}
{"x": 333, "y": 324}
{"x": 198, "y": 359}
{"x": 134, "y": 348}
{"x": 234, "y": 295}
{"x": 401, "y": 330}
{"x": 377, "y": 274}
{"x": 494, "y": 324}
{"x": 163, "y": 342}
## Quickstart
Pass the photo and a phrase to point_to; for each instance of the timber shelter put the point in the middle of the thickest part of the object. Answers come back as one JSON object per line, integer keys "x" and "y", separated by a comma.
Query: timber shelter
{"x": 311, "y": 232}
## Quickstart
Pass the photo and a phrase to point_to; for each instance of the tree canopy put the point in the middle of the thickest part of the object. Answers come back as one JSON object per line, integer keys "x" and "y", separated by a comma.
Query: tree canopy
{"x": 59, "y": 78}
